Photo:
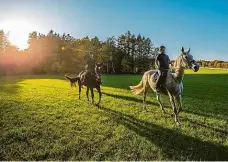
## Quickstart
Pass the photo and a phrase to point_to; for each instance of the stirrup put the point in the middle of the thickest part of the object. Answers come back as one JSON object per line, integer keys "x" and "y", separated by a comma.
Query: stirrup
{"x": 157, "y": 89}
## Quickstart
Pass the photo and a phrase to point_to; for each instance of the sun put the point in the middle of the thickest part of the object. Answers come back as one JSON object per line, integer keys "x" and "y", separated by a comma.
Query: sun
{"x": 18, "y": 31}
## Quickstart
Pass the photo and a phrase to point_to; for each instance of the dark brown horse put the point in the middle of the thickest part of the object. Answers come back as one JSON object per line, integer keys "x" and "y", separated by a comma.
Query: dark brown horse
{"x": 90, "y": 79}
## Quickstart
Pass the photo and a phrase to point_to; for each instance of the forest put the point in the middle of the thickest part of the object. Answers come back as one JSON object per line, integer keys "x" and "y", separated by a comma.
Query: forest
{"x": 54, "y": 53}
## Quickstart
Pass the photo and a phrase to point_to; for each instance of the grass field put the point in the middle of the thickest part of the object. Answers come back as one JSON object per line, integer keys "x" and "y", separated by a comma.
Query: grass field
{"x": 41, "y": 118}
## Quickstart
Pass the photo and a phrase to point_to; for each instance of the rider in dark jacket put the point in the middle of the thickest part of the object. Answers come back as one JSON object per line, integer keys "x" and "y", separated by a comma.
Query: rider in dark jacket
{"x": 162, "y": 62}
{"x": 90, "y": 64}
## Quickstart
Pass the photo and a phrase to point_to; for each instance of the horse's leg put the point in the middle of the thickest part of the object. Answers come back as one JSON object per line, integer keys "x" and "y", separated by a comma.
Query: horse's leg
{"x": 87, "y": 93}
{"x": 174, "y": 109}
{"x": 179, "y": 103}
{"x": 159, "y": 101}
{"x": 144, "y": 98}
{"x": 92, "y": 95}
{"x": 99, "y": 91}
{"x": 79, "y": 89}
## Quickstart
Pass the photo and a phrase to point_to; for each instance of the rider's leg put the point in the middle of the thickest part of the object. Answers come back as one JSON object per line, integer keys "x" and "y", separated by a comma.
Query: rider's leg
{"x": 158, "y": 82}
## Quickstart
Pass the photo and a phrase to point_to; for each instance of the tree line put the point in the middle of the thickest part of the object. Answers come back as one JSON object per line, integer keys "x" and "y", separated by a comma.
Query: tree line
{"x": 54, "y": 53}
{"x": 213, "y": 64}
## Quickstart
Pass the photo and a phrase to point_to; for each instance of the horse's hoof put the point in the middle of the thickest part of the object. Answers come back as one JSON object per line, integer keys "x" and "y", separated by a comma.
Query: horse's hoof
{"x": 178, "y": 124}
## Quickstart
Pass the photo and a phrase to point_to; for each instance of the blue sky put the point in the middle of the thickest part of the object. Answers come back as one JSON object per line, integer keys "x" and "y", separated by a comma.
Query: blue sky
{"x": 199, "y": 24}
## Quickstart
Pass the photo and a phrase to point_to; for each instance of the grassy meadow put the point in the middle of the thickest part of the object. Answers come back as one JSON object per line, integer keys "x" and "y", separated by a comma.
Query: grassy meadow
{"x": 41, "y": 118}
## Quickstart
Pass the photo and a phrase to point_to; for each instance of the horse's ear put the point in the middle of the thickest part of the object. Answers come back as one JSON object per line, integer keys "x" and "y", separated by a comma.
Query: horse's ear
{"x": 188, "y": 49}
{"x": 182, "y": 49}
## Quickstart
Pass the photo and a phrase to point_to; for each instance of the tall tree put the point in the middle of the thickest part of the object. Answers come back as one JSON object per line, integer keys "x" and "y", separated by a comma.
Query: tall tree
{"x": 3, "y": 41}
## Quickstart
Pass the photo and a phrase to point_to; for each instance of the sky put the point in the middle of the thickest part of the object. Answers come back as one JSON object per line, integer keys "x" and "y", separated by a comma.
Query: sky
{"x": 201, "y": 25}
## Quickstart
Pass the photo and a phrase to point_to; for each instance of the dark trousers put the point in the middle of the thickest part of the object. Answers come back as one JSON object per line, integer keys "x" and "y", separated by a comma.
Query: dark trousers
{"x": 161, "y": 77}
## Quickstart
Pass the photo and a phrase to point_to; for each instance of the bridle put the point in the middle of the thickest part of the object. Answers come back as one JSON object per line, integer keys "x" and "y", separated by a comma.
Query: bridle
{"x": 186, "y": 61}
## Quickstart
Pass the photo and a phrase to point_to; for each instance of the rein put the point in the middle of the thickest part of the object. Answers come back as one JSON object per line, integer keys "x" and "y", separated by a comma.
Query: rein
{"x": 182, "y": 60}
{"x": 93, "y": 73}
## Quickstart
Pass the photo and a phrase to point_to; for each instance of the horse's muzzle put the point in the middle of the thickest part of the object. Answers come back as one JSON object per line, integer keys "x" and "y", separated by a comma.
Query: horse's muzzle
{"x": 195, "y": 66}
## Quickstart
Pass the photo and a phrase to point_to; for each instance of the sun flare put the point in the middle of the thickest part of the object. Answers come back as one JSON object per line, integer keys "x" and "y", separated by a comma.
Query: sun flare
{"x": 18, "y": 31}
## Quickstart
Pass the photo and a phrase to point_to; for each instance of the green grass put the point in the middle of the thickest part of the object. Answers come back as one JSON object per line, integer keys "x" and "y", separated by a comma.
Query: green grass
{"x": 208, "y": 71}
{"x": 41, "y": 118}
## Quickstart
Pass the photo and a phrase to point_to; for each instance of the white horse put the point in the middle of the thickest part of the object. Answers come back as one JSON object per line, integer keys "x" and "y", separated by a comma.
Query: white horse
{"x": 173, "y": 85}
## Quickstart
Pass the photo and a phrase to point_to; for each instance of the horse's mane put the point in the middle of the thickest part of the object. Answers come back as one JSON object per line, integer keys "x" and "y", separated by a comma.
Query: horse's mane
{"x": 176, "y": 62}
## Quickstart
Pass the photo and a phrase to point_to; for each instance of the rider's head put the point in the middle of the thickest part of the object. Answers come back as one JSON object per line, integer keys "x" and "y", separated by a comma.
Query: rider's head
{"x": 162, "y": 49}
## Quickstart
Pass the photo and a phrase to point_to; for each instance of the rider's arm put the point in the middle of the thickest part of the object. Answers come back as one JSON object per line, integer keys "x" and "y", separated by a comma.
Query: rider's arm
{"x": 156, "y": 61}
{"x": 170, "y": 65}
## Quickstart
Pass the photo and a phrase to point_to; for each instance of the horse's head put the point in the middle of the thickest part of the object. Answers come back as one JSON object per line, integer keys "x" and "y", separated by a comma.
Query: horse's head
{"x": 98, "y": 69}
{"x": 188, "y": 61}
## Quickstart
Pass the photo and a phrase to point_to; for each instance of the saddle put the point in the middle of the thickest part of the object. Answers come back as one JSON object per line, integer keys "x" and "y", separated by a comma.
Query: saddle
{"x": 155, "y": 78}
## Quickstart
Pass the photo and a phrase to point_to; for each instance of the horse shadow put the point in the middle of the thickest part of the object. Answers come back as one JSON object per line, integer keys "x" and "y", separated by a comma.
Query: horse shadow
{"x": 178, "y": 147}
{"x": 204, "y": 114}
{"x": 134, "y": 99}
{"x": 205, "y": 125}
{"x": 128, "y": 98}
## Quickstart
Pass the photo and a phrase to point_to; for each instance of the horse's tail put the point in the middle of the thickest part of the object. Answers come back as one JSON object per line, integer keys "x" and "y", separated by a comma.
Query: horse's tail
{"x": 140, "y": 87}
{"x": 72, "y": 80}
